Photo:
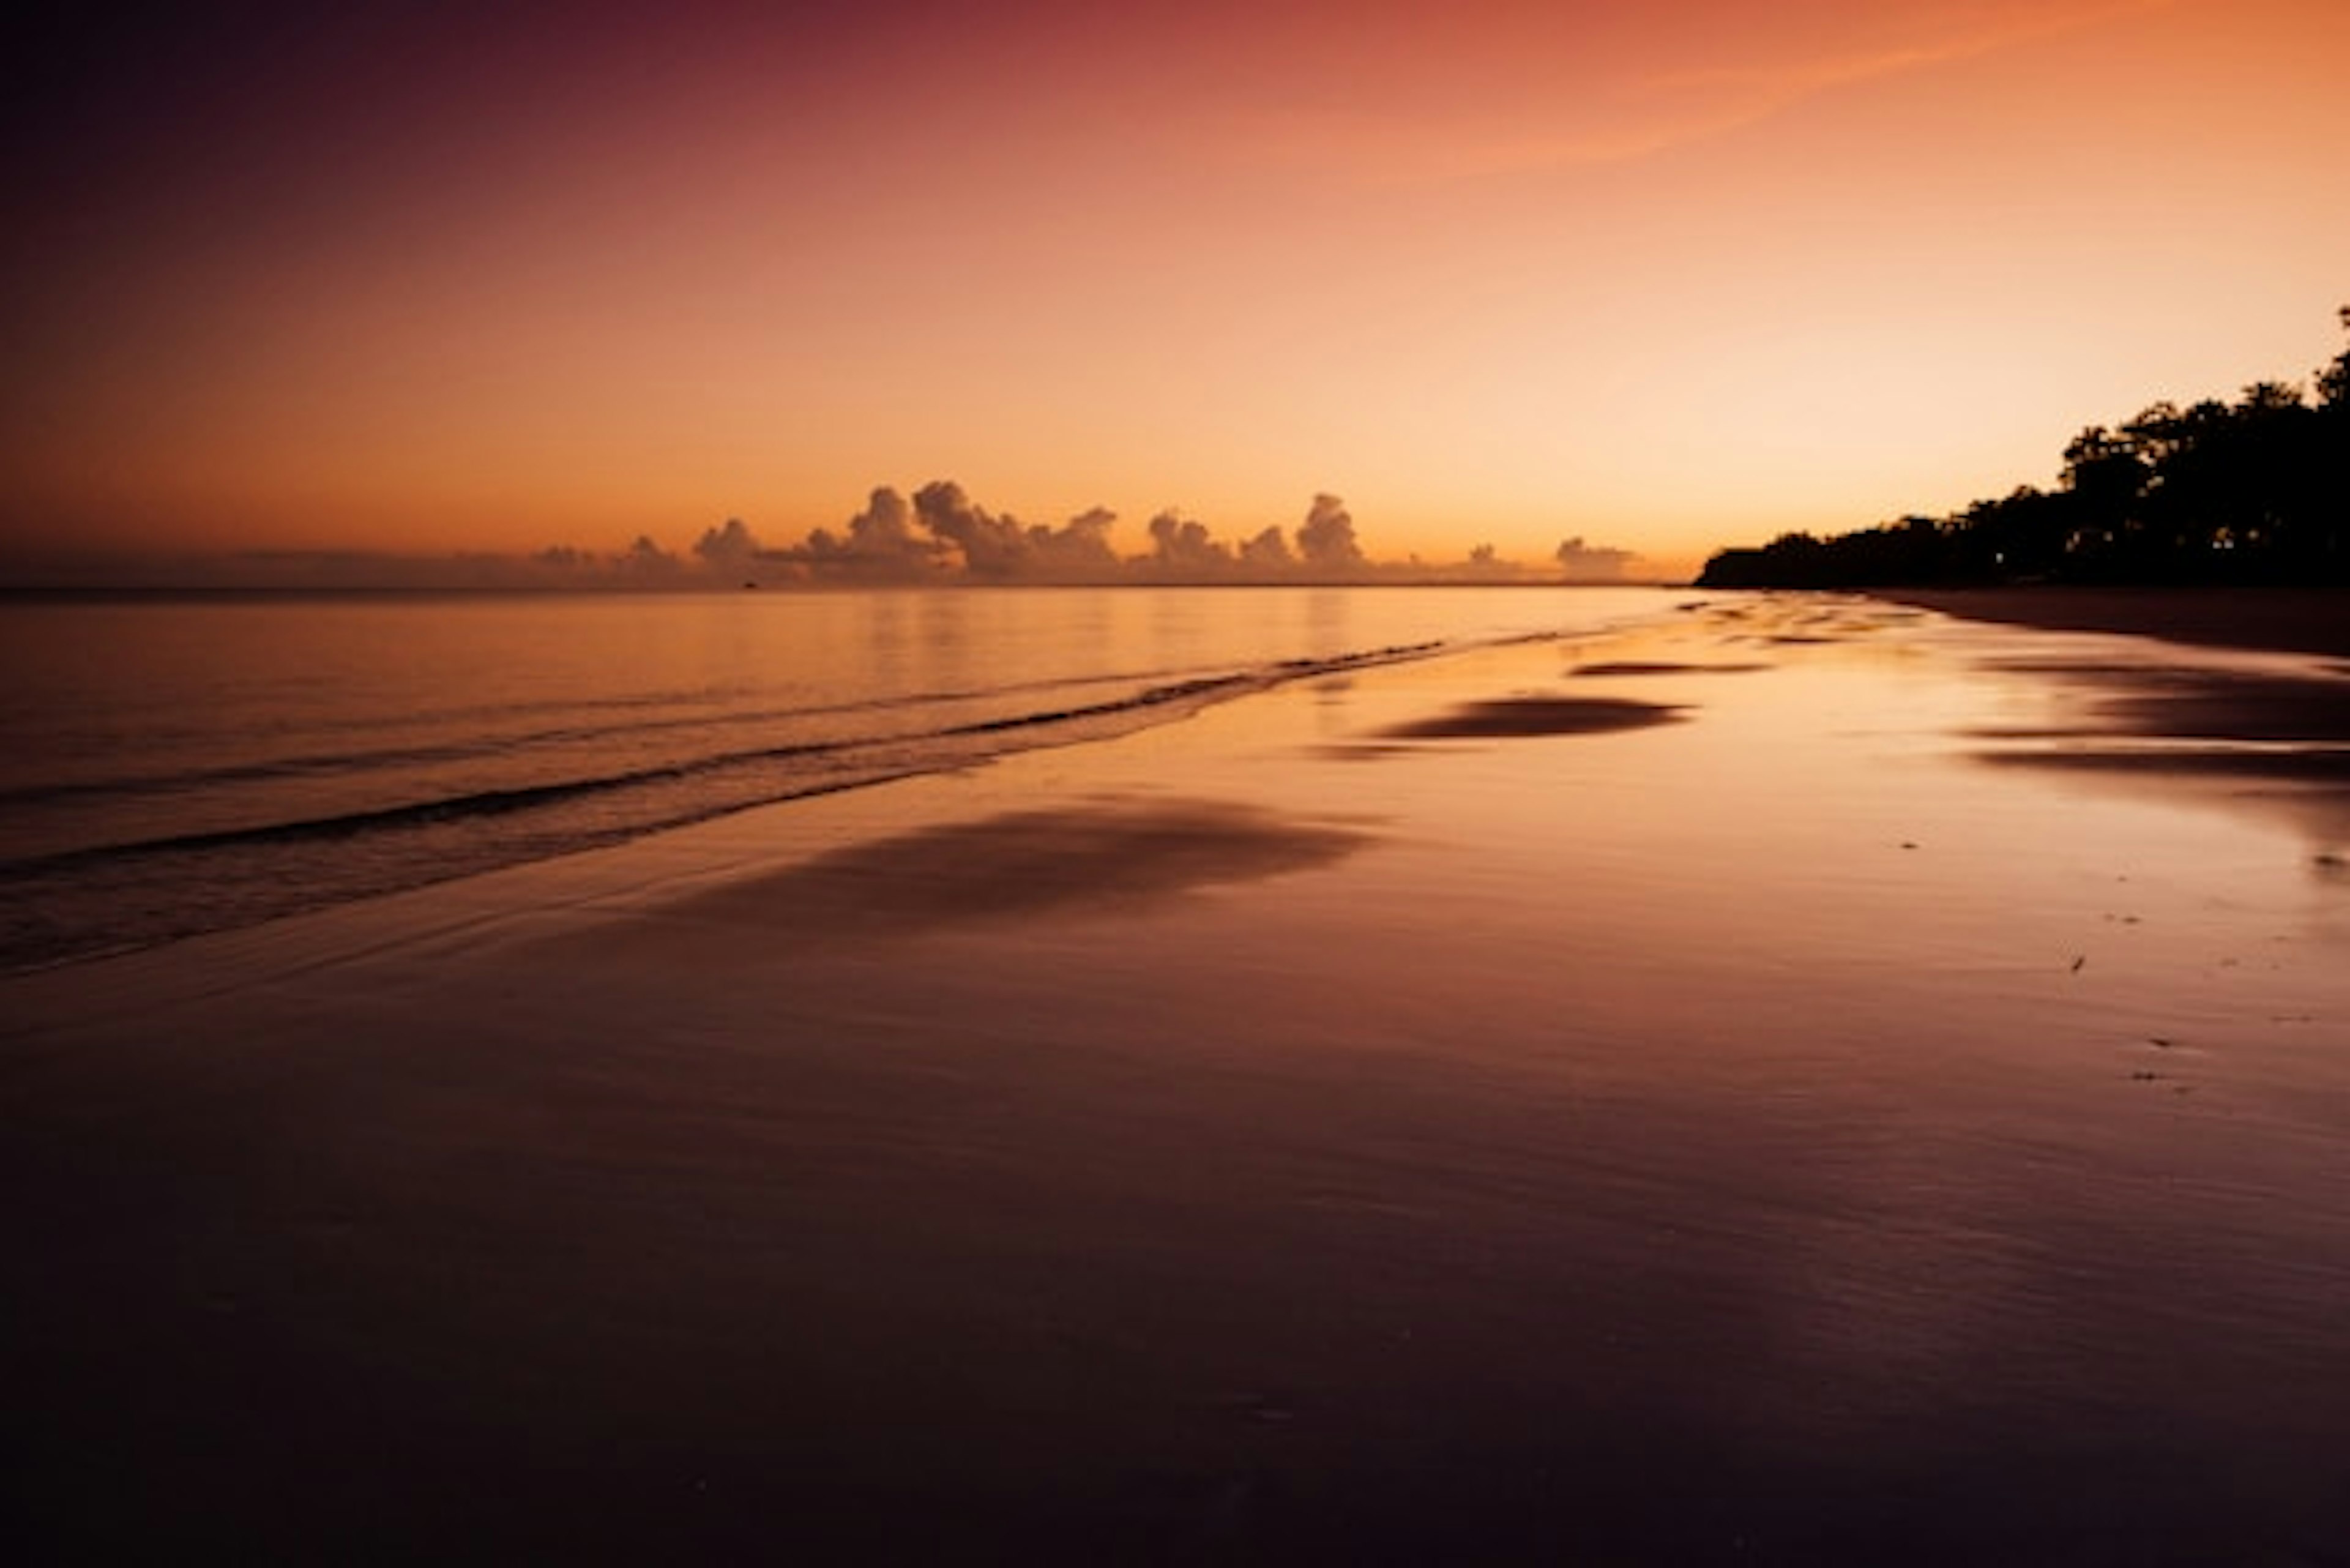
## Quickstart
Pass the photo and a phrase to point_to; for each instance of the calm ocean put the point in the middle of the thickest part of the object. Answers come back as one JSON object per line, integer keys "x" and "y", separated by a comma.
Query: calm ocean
{"x": 174, "y": 766}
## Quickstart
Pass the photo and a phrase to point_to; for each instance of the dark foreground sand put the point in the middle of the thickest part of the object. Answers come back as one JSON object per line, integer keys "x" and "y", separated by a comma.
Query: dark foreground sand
{"x": 2293, "y": 620}
{"x": 1749, "y": 1093}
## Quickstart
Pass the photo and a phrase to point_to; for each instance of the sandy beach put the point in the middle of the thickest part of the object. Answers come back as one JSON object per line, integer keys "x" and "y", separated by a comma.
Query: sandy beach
{"x": 1815, "y": 1081}
{"x": 2292, "y": 621}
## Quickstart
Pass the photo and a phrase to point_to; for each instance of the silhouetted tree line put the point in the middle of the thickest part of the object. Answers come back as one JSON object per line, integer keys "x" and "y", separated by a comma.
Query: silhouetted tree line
{"x": 2253, "y": 492}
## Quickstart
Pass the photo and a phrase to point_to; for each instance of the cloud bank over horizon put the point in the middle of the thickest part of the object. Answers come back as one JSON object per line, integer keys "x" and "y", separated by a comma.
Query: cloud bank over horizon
{"x": 937, "y": 537}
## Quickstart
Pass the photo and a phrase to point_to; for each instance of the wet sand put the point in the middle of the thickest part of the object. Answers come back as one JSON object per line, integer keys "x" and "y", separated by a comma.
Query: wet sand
{"x": 2289, "y": 620}
{"x": 1440, "y": 1114}
{"x": 2262, "y": 732}
{"x": 1496, "y": 718}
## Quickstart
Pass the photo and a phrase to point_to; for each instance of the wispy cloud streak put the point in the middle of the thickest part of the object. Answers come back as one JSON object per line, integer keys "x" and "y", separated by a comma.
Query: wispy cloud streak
{"x": 1640, "y": 114}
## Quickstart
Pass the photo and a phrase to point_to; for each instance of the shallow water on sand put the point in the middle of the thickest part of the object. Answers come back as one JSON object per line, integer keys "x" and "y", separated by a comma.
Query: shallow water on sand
{"x": 1665, "y": 1097}
{"x": 176, "y": 765}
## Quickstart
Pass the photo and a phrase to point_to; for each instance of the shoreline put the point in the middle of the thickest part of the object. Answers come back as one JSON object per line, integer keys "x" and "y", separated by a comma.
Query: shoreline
{"x": 2280, "y": 620}
{"x": 108, "y": 879}
{"x": 1649, "y": 1096}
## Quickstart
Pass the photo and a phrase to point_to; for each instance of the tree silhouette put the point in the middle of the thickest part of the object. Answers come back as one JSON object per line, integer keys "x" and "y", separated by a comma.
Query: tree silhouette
{"x": 2253, "y": 492}
{"x": 2333, "y": 380}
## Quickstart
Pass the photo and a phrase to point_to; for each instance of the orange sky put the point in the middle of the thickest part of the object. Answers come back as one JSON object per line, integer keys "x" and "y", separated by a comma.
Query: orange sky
{"x": 1668, "y": 275}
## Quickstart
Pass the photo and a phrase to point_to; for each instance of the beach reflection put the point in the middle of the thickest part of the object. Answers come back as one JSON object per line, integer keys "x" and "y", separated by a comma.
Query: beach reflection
{"x": 2266, "y": 733}
{"x": 1418, "y": 1117}
{"x": 1777, "y": 1082}
{"x": 1097, "y": 857}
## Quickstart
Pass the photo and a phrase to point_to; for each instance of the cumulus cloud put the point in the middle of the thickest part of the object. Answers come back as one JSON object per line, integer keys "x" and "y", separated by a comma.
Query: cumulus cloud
{"x": 728, "y": 549}
{"x": 997, "y": 548}
{"x": 1268, "y": 551}
{"x": 939, "y": 534}
{"x": 1592, "y": 563}
{"x": 942, "y": 534}
{"x": 993, "y": 547}
{"x": 1185, "y": 550}
{"x": 881, "y": 543}
{"x": 1080, "y": 548}
{"x": 892, "y": 540}
{"x": 644, "y": 561}
{"x": 1326, "y": 540}
{"x": 1486, "y": 565}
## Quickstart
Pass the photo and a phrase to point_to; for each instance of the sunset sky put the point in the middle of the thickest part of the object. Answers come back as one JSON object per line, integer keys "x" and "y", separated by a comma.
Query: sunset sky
{"x": 1665, "y": 275}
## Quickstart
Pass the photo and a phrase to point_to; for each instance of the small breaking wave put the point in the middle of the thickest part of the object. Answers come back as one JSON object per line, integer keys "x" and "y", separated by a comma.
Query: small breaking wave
{"x": 104, "y": 898}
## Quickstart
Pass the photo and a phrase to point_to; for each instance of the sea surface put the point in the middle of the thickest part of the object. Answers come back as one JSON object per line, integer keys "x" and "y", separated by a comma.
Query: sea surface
{"x": 1793, "y": 1079}
{"x": 175, "y": 766}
